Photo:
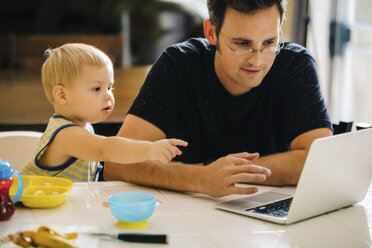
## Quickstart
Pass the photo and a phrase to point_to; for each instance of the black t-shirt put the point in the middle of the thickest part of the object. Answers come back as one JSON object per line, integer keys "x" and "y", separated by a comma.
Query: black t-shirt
{"x": 183, "y": 96}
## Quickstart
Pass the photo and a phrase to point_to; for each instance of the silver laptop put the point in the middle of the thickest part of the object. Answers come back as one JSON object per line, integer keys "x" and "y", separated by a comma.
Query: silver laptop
{"x": 337, "y": 173}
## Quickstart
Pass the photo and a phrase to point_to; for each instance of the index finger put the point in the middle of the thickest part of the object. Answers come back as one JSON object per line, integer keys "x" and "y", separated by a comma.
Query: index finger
{"x": 245, "y": 155}
{"x": 178, "y": 142}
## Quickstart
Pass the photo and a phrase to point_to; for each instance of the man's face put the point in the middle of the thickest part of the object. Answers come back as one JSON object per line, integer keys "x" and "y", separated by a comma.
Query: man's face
{"x": 239, "y": 73}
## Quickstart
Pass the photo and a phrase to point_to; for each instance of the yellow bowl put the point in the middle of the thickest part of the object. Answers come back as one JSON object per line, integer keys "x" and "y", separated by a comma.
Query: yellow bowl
{"x": 42, "y": 192}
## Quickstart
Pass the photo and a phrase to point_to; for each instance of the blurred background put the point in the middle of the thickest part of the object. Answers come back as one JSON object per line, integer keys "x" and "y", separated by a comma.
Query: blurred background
{"x": 135, "y": 32}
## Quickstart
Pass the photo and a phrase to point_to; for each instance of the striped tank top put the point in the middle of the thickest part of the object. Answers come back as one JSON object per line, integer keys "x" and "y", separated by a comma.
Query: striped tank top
{"x": 74, "y": 169}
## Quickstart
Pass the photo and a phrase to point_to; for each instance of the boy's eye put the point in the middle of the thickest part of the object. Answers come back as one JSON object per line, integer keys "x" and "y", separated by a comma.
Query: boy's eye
{"x": 97, "y": 89}
{"x": 111, "y": 88}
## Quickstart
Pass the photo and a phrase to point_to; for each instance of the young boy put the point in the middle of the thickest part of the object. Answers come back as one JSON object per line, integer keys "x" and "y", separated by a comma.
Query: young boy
{"x": 78, "y": 80}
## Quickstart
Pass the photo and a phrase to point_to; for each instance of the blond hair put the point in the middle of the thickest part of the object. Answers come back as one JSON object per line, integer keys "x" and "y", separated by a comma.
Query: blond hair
{"x": 63, "y": 64}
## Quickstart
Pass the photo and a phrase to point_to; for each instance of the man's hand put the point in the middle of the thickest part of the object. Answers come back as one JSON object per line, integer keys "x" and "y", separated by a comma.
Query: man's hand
{"x": 222, "y": 175}
{"x": 163, "y": 151}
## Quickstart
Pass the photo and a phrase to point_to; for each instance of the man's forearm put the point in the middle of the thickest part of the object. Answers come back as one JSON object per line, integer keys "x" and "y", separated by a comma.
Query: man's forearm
{"x": 285, "y": 167}
{"x": 217, "y": 179}
{"x": 175, "y": 176}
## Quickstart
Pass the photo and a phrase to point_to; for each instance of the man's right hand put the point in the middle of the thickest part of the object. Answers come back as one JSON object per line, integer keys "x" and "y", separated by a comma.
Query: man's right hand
{"x": 221, "y": 176}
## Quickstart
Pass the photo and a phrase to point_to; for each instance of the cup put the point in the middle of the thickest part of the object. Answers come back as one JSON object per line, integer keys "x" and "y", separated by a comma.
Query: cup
{"x": 132, "y": 209}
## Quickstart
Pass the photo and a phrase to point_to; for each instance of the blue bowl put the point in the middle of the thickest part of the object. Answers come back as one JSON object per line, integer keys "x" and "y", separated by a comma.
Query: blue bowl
{"x": 132, "y": 206}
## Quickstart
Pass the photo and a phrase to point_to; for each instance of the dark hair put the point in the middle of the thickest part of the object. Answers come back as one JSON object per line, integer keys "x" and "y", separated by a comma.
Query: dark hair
{"x": 217, "y": 9}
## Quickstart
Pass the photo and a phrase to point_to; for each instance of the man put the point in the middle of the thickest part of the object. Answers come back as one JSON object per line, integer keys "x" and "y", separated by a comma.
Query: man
{"x": 237, "y": 92}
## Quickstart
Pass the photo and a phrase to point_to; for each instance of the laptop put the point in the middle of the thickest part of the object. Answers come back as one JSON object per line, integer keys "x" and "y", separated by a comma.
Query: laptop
{"x": 337, "y": 173}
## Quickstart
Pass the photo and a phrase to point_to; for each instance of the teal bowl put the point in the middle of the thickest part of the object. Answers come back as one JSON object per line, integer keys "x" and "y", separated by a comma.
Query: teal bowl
{"x": 132, "y": 206}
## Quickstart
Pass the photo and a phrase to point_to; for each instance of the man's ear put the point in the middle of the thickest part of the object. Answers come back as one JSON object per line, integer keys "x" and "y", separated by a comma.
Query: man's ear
{"x": 59, "y": 94}
{"x": 210, "y": 32}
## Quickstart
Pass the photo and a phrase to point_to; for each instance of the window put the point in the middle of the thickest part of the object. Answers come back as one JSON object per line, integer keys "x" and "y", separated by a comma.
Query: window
{"x": 340, "y": 37}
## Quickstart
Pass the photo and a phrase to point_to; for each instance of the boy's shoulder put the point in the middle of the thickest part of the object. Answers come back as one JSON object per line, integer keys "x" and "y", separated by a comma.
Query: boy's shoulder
{"x": 57, "y": 122}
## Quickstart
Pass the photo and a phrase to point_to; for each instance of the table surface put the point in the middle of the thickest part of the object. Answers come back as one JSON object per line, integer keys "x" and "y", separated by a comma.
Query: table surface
{"x": 191, "y": 220}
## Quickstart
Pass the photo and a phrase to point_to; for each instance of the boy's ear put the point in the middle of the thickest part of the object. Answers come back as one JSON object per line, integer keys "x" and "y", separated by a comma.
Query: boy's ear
{"x": 59, "y": 94}
{"x": 210, "y": 32}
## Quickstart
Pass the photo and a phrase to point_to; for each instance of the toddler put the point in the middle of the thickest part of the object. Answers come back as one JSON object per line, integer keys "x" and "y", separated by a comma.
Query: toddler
{"x": 78, "y": 80}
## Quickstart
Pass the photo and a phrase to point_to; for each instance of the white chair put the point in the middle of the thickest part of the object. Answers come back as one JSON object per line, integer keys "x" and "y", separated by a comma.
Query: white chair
{"x": 18, "y": 147}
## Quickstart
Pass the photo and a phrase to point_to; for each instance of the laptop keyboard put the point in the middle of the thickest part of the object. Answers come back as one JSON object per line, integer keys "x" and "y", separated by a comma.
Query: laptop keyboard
{"x": 277, "y": 209}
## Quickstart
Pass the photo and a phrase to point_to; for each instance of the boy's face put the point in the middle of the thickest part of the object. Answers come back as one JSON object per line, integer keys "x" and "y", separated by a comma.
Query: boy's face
{"x": 90, "y": 97}
{"x": 241, "y": 73}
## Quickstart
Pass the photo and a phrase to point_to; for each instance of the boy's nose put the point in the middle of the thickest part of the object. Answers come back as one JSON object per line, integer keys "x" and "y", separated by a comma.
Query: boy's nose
{"x": 109, "y": 95}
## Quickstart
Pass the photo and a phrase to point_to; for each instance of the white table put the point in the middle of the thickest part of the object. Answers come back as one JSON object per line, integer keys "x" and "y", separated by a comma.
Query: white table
{"x": 191, "y": 220}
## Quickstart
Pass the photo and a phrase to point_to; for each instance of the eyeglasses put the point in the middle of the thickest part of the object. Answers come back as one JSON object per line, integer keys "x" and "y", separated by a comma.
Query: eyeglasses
{"x": 267, "y": 51}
